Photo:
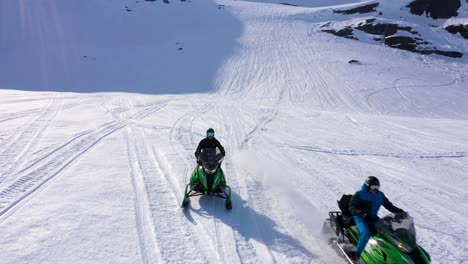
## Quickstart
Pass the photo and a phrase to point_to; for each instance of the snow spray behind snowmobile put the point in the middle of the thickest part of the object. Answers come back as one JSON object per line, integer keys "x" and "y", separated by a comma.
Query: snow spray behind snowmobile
{"x": 208, "y": 179}
{"x": 393, "y": 241}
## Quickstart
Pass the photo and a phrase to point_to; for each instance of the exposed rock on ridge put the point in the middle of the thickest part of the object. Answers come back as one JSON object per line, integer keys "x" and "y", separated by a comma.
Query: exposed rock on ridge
{"x": 462, "y": 29}
{"x": 360, "y": 9}
{"x": 435, "y": 8}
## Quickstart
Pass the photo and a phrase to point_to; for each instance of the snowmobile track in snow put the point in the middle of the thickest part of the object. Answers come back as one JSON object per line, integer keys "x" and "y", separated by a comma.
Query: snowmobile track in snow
{"x": 144, "y": 220}
{"x": 152, "y": 201}
{"x": 178, "y": 136}
{"x": 148, "y": 109}
{"x": 159, "y": 201}
{"x": 45, "y": 169}
{"x": 351, "y": 152}
{"x": 183, "y": 143}
{"x": 182, "y": 134}
{"x": 19, "y": 145}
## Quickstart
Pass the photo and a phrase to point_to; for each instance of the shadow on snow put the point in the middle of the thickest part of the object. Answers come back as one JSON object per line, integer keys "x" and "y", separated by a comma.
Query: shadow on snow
{"x": 99, "y": 46}
{"x": 250, "y": 225}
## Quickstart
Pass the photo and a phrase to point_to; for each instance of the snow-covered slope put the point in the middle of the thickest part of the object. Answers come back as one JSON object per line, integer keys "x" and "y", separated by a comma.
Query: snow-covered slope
{"x": 104, "y": 102}
{"x": 104, "y": 46}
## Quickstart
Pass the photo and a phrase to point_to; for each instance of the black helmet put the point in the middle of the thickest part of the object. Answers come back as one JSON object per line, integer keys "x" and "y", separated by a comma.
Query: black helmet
{"x": 372, "y": 181}
{"x": 210, "y": 132}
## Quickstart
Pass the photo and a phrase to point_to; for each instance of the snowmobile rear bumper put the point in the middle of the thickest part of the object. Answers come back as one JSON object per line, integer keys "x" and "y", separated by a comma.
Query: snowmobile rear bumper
{"x": 224, "y": 193}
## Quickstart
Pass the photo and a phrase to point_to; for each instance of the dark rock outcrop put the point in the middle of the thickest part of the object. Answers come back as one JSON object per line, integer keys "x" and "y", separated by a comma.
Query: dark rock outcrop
{"x": 388, "y": 34}
{"x": 385, "y": 29}
{"x": 453, "y": 54}
{"x": 395, "y": 34}
{"x": 408, "y": 29}
{"x": 164, "y": 1}
{"x": 346, "y": 32}
{"x": 411, "y": 44}
{"x": 379, "y": 29}
{"x": 325, "y": 25}
{"x": 359, "y": 9}
{"x": 288, "y": 4}
{"x": 401, "y": 42}
{"x": 462, "y": 29}
{"x": 435, "y": 8}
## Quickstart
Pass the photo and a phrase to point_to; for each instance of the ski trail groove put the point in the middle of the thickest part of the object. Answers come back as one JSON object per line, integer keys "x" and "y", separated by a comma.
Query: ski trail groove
{"x": 352, "y": 152}
{"x": 261, "y": 124}
{"x": 149, "y": 108}
{"x": 40, "y": 111}
{"x": 144, "y": 220}
{"x": 19, "y": 147}
{"x": 153, "y": 203}
{"x": 176, "y": 241}
{"x": 245, "y": 251}
{"x": 32, "y": 179}
{"x": 178, "y": 131}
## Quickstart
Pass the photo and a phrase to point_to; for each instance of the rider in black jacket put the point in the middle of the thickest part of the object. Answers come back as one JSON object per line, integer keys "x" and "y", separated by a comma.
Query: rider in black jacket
{"x": 209, "y": 142}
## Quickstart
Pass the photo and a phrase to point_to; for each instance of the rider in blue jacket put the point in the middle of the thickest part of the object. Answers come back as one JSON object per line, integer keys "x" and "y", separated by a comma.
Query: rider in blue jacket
{"x": 365, "y": 205}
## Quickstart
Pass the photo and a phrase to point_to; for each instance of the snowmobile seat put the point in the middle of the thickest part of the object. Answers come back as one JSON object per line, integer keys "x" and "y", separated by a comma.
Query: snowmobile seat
{"x": 343, "y": 204}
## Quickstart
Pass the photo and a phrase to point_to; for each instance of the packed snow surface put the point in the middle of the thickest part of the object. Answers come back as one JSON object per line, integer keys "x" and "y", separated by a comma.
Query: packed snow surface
{"x": 104, "y": 102}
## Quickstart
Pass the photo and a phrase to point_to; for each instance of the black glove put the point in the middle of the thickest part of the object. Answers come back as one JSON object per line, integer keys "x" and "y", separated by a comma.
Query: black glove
{"x": 402, "y": 214}
{"x": 370, "y": 218}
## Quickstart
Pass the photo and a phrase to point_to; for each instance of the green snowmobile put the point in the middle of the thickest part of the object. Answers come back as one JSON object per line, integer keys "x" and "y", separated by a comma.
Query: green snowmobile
{"x": 208, "y": 179}
{"x": 393, "y": 240}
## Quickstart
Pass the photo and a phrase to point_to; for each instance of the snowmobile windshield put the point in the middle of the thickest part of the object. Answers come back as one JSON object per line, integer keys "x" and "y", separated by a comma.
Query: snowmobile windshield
{"x": 399, "y": 229}
{"x": 210, "y": 159}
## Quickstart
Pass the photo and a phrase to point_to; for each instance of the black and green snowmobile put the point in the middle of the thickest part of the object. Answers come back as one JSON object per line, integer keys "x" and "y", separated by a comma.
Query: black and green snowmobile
{"x": 393, "y": 240}
{"x": 208, "y": 179}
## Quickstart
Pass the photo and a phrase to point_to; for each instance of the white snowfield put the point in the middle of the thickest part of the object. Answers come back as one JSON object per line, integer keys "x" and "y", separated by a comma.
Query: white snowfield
{"x": 104, "y": 102}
